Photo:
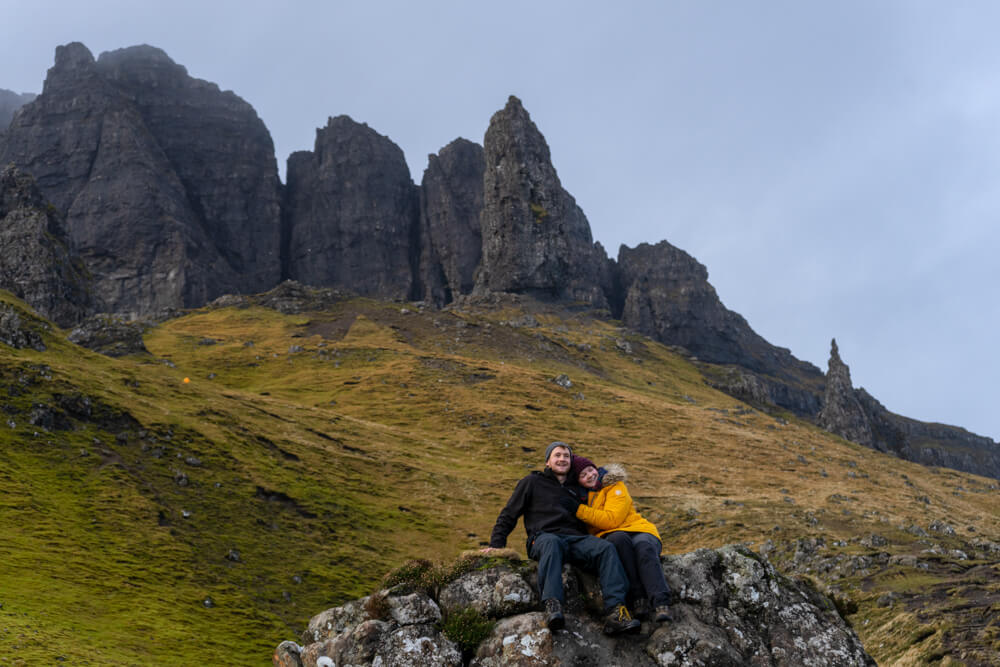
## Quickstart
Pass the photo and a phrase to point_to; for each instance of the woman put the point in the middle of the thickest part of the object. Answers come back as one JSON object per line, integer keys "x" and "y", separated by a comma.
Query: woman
{"x": 611, "y": 514}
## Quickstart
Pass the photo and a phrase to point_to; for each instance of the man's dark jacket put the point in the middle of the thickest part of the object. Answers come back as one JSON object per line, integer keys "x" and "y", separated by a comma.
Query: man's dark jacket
{"x": 537, "y": 497}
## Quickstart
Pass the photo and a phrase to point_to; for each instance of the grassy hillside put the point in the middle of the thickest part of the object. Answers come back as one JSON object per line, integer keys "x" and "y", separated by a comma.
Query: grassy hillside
{"x": 149, "y": 520}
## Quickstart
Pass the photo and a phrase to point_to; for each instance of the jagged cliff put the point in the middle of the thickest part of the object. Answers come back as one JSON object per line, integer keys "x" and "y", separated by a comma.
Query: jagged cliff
{"x": 169, "y": 186}
{"x": 536, "y": 239}
{"x": 451, "y": 201}
{"x": 35, "y": 261}
{"x": 666, "y": 295}
{"x": 170, "y": 197}
{"x": 351, "y": 213}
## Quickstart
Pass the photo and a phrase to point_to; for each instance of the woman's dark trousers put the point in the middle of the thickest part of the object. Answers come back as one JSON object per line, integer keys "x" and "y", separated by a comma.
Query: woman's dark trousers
{"x": 640, "y": 556}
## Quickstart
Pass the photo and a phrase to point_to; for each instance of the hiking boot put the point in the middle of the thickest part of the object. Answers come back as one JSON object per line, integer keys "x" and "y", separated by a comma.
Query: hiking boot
{"x": 640, "y": 608}
{"x": 662, "y": 614}
{"x": 620, "y": 620}
{"x": 556, "y": 620}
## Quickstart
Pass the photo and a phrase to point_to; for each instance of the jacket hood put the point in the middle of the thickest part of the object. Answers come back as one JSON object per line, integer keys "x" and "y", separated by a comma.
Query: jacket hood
{"x": 615, "y": 473}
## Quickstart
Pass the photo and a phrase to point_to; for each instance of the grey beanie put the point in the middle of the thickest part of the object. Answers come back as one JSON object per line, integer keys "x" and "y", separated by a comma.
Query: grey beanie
{"x": 557, "y": 443}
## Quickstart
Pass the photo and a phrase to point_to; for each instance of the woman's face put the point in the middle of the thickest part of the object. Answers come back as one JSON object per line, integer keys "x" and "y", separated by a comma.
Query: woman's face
{"x": 588, "y": 477}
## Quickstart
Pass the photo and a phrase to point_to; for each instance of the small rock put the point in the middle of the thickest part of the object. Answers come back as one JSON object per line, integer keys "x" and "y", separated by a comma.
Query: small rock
{"x": 563, "y": 381}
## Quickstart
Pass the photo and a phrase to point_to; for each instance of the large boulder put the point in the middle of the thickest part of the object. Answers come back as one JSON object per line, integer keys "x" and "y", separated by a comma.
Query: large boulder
{"x": 536, "y": 239}
{"x": 730, "y": 607}
{"x": 352, "y": 213}
{"x": 169, "y": 186}
{"x": 36, "y": 264}
{"x": 451, "y": 202}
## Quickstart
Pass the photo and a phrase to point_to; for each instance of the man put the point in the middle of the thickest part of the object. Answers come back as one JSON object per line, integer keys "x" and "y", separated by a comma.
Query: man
{"x": 555, "y": 535}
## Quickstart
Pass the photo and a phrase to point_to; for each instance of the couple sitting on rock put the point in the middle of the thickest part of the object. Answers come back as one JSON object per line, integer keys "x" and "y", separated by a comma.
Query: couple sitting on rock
{"x": 567, "y": 508}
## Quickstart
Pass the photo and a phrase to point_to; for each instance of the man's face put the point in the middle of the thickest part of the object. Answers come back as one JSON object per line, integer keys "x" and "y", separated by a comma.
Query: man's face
{"x": 559, "y": 461}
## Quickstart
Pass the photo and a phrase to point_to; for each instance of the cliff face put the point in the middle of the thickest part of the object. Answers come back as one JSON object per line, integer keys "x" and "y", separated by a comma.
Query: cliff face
{"x": 169, "y": 187}
{"x": 451, "y": 201}
{"x": 536, "y": 240}
{"x": 666, "y": 296}
{"x": 35, "y": 261}
{"x": 352, "y": 213}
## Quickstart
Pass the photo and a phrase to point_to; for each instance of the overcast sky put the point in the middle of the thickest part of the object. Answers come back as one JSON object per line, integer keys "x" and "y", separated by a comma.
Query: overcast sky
{"x": 835, "y": 165}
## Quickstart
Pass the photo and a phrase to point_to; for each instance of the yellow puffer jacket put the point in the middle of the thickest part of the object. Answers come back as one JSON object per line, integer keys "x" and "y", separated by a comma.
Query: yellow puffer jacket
{"x": 612, "y": 509}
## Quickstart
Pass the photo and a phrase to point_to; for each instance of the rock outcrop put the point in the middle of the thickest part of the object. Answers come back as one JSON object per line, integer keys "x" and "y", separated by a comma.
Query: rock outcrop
{"x": 19, "y": 330}
{"x": 667, "y": 296}
{"x": 10, "y": 102}
{"x": 451, "y": 202}
{"x": 36, "y": 264}
{"x": 536, "y": 239}
{"x": 111, "y": 335}
{"x": 856, "y": 415}
{"x": 731, "y": 608}
{"x": 169, "y": 186}
{"x": 842, "y": 412}
{"x": 352, "y": 213}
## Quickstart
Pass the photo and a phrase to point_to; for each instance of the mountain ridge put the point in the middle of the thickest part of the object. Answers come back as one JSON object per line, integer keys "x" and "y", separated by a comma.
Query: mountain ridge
{"x": 190, "y": 207}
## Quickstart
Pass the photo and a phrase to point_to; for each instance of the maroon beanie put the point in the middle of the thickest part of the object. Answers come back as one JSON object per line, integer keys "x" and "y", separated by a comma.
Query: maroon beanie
{"x": 579, "y": 464}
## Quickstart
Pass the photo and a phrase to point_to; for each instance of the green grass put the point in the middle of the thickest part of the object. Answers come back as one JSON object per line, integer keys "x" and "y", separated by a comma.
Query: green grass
{"x": 384, "y": 436}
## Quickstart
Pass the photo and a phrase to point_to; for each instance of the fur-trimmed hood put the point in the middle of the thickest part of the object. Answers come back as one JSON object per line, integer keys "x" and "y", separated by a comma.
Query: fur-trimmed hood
{"x": 615, "y": 473}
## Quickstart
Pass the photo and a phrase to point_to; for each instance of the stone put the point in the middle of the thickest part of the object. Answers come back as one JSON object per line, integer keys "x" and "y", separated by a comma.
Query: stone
{"x": 536, "y": 239}
{"x": 288, "y": 654}
{"x": 509, "y": 593}
{"x": 352, "y": 213}
{"x": 111, "y": 335}
{"x": 36, "y": 263}
{"x": 334, "y": 621}
{"x": 19, "y": 331}
{"x": 730, "y": 607}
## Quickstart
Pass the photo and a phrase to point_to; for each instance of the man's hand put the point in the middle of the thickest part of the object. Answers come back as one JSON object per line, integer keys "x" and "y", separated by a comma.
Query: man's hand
{"x": 570, "y": 503}
{"x": 488, "y": 550}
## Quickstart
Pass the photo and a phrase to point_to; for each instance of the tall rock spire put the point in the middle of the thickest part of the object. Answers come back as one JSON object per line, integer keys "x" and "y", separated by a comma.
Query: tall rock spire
{"x": 842, "y": 412}
{"x": 536, "y": 239}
